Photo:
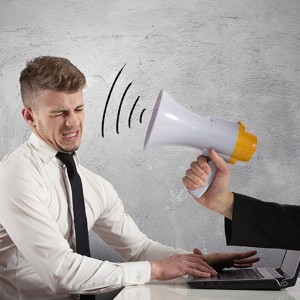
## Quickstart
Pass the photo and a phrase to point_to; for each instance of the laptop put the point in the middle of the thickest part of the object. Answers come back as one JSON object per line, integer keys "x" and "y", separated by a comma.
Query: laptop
{"x": 254, "y": 279}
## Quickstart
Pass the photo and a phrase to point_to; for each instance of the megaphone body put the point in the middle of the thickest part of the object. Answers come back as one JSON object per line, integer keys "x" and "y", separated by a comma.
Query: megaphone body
{"x": 173, "y": 125}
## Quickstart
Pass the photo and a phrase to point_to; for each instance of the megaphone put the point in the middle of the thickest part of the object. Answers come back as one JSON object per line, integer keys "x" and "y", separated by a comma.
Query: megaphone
{"x": 173, "y": 125}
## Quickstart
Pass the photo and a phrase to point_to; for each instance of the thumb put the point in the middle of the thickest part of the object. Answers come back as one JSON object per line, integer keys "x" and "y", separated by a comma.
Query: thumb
{"x": 197, "y": 251}
{"x": 219, "y": 162}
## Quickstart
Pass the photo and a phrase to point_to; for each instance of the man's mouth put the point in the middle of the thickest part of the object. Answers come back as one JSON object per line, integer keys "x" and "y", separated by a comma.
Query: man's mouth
{"x": 69, "y": 135}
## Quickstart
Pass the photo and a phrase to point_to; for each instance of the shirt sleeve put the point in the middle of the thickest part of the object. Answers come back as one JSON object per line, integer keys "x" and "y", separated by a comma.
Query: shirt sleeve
{"x": 257, "y": 223}
{"x": 119, "y": 231}
{"x": 25, "y": 216}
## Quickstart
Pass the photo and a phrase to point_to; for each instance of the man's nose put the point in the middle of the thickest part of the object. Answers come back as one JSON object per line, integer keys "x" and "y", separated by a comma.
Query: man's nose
{"x": 72, "y": 121}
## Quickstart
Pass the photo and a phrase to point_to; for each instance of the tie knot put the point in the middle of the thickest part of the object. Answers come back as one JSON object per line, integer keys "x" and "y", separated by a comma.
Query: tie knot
{"x": 67, "y": 159}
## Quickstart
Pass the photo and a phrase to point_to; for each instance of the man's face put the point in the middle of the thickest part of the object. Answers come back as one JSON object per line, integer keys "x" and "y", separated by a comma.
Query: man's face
{"x": 58, "y": 119}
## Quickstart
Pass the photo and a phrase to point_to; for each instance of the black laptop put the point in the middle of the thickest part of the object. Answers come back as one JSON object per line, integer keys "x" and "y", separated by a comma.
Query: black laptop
{"x": 254, "y": 279}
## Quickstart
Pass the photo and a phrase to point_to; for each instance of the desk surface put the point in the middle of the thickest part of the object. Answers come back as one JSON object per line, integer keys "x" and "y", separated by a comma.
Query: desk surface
{"x": 177, "y": 289}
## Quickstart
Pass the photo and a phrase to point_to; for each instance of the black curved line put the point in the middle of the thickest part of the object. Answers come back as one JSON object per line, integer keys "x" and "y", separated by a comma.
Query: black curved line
{"x": 107, "y": 100}
{"x": 141, "y": 116}
{"x": 132, "y": 109}
{"x": 119, "y": 110}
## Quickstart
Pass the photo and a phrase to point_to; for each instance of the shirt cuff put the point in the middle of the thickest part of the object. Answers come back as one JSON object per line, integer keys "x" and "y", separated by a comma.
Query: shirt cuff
{"x": 136, "y": 272}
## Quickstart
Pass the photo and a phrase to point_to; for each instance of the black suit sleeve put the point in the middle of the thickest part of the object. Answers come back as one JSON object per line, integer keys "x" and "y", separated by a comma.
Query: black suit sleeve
{"x": 263, "y": 224}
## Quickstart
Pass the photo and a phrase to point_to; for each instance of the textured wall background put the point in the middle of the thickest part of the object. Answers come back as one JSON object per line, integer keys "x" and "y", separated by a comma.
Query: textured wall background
{"x": 238, "y": 60}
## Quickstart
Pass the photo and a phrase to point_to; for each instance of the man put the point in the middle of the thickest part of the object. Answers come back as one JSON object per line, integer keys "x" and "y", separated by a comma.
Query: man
{"x": 41, "y": 233}
{"x": 248, "y": 221}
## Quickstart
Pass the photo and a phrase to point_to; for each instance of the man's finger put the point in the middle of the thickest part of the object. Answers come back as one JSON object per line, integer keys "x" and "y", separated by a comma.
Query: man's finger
{"x": 197, "y": 251}
{"x": 197, "y": 273}
{"x": 189, "y": 183}
{"x": 202, "y": 268}
{"x": 218, "y": 161}
{"x": 247, "y": 260}
{"x": 194, "y": 177}
{"x": 198, "y": 170}
{"x": 202, "y": 162}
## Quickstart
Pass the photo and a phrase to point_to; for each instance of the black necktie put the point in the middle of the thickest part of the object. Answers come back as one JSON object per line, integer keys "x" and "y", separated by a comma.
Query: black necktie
{"x": 80, "y": 221}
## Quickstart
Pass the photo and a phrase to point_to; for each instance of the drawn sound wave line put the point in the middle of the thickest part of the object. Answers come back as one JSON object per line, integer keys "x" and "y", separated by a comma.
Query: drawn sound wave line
{"x": 132, "y": 109}
{"x": 108, "y": 98}
{"x": 120, "y": 105}
{"x": 131, "y": 112}
{"x": 141, "y": 116}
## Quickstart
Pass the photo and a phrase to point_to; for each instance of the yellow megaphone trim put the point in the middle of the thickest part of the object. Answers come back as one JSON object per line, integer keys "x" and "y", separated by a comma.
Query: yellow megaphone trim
{"x": 245, "y": 145}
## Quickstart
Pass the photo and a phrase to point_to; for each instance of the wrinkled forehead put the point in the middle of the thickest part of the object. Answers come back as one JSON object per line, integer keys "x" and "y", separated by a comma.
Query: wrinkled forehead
{"x": 54, "y": 100}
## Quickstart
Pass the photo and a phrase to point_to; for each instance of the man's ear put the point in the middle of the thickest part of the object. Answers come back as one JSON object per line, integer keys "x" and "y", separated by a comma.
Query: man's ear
{"x": 28, "y": 116}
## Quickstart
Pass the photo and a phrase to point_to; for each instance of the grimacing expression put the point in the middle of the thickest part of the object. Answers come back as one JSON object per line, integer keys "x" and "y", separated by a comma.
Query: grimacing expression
{"x": 58, "y": 119}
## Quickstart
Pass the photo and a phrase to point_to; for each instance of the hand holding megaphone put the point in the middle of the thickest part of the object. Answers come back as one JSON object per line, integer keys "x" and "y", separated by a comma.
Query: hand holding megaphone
{"x": 197, "y": 193}
{"x": 218, "y": 197}
{"x": 173, "y": 125}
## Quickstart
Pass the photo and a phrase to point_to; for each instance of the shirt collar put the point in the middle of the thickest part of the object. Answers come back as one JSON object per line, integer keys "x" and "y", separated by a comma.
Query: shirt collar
{"x": 44, "y": 150}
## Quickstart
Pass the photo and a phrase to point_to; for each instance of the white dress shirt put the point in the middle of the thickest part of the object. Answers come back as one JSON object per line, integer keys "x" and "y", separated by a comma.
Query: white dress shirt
{"x": 37, "y": 240}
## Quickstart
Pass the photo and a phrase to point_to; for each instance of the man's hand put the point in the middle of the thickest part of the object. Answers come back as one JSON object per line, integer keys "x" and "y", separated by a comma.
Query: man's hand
{"x": 221, "y": 261}
{"x": 218, "y": 197}
{"x": 200, "y": 265}
{"x": 180, "y": 265}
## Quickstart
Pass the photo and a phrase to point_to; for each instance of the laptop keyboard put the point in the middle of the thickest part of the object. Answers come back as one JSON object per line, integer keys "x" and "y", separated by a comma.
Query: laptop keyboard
{"x": 240, "y": 274}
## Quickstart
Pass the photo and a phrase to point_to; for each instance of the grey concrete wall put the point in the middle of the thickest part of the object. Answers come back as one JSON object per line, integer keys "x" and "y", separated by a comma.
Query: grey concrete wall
{"x": 238, "y": 60}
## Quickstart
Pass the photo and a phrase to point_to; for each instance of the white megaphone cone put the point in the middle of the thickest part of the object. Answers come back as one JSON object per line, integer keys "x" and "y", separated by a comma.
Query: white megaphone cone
{"x": 173, "y": 125}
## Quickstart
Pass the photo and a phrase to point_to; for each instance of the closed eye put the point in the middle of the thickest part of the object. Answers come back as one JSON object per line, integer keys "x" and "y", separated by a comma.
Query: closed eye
{"x": 79, "y": 108}
{"x": 62, "y": 112}
{"x": 57, "y": 114}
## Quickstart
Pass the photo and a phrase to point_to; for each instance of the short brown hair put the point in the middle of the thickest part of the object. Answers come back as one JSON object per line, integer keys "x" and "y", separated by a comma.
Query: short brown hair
{"x": 49, "y": 73}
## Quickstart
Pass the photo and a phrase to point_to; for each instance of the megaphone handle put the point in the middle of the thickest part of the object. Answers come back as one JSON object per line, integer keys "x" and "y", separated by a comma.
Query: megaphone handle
{"x": 200, "y": 191}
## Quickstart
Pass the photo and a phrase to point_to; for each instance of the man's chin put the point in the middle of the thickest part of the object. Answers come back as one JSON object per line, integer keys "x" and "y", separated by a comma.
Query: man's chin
{"x": 69, "y": 149}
